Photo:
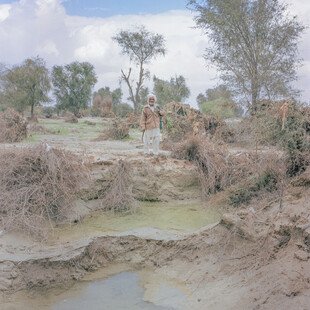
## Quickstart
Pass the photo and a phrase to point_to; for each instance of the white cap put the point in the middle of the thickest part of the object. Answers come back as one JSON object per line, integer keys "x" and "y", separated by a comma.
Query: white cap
{"x": 151, "y": 96}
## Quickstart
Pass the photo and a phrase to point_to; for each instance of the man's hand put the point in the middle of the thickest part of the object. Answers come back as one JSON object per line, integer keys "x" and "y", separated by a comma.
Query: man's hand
{"x": 158, "y": 110}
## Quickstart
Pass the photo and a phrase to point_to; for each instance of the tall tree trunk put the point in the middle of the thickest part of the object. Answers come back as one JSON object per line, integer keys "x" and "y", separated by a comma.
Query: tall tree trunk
{"x": 254, "y": 95}
{"x": 132, "y": 97}
{"x": 139, "y": 85}
{"x": 32, "y": 109}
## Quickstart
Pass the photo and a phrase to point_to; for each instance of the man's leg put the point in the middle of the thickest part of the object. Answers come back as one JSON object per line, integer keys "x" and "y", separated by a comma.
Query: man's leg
{"x": 146, "y": 141}
{"x": 156, "y": 140}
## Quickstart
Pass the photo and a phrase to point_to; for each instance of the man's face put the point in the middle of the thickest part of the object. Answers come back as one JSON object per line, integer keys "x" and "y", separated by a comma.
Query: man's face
{"x": 151, "y": 101}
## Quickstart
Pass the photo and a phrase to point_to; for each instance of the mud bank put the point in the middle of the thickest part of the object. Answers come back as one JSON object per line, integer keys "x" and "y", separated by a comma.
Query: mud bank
{"x": 220, "y": 266}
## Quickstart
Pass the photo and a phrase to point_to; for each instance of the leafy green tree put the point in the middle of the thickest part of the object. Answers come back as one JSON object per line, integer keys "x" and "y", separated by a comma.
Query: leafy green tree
{"x": 253, "y": 45}
{"x": 122, "y": 109}
{"x": 141, "y": 46}
{"x": 217, "y": 101}
{"x": 173, "y": 90}
{"x": 144, "y": 92}
{"x": 115, "y": 94}
{"x": 25, "y": 85}
{"x": 73, "y": 85}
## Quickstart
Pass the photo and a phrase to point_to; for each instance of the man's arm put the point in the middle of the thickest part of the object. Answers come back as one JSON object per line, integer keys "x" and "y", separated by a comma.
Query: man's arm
{"x": 142, "y": 120}
{"x": 160, "y": 111}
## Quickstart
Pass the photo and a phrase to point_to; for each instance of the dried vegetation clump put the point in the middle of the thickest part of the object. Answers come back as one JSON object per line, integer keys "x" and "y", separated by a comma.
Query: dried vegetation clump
{"x": 118, "y": 196}
{"x": 282, "y": 124}
{"x": 39, "y": 129}
{"x": 102, "y": 106}
{"x": 181, "y": 120}
{"x": 133, "y": 120}
{"x": 37, "y": 184}
{"x": 210, "y": 159}
{"x": 13, "y": 127}
{"x": 263, "y": 175}
{"x": 244, "y": 175}
{"x": 71, "y": 118}
{"x": 117, "y": 130}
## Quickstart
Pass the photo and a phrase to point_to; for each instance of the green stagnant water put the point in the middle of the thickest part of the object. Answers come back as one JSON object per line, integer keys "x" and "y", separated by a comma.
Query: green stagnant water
{"x": 183, "y": 217}
{"x": 118, "y": 288}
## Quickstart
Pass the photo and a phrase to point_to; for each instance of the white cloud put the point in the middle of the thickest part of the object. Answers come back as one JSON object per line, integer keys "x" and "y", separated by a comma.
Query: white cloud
{"x": 4, "y": 11}
{"x": 42, "y": 27}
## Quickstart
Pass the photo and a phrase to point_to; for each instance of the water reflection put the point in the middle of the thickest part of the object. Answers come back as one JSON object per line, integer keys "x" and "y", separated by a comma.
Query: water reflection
{"x": 120, "y": 292}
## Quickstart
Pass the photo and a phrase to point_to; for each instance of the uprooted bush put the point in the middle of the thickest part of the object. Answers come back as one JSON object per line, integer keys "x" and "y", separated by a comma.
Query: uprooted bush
{"x": 210, "y": 159}
{"x": 118, "y": 196}
{"x": 13, "y": 127}
{"x": 117, "y": 130}
{"x": 265, "y": 181}
{"x": 181, "y": 120}
{"x": 282, "y": 124}
{"x": 245, "y": 174}
{"x": 37, "y": 185}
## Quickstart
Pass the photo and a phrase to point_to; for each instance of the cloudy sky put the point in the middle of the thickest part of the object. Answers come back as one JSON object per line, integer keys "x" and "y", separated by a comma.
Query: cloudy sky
{"x": 62, "y": 31}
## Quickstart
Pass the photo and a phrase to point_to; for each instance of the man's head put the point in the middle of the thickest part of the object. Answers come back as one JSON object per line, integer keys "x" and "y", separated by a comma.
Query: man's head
{"x": 151, "y": 99}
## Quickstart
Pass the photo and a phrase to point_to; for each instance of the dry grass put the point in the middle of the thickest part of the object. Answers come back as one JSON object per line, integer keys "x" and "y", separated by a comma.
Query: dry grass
{"x": 289, "y": 132}
{"x": 211, "y": 161}
{"x": 37, "y": 184}
{"x": 118, "y": 196}
{"x": 71, "y": 118}
{"x": 117, "y": 130}
{"x": 245, "y": 175}
{"x": 13, "y": 127}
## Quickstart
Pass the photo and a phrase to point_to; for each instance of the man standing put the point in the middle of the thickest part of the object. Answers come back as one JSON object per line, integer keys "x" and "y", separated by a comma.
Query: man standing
{"x": 150, "y": 125}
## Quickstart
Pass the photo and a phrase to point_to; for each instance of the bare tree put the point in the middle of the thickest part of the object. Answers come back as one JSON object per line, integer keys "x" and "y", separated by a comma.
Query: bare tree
{"x": 253, "y": 44}
{"x": 141, "y": 46}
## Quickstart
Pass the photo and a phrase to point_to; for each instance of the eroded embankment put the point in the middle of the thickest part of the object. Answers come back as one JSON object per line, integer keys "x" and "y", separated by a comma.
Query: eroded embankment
{"x": 27, "y": 264}
{"x": 257, "y": 258}
{"x": 265, "y": 273}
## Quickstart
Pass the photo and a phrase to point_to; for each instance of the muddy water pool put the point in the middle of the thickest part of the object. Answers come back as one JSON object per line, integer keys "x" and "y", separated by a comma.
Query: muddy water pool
{"x": 123, "y": 291}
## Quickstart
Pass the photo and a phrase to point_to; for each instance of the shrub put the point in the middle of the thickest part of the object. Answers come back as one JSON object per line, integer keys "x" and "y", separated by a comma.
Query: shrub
{"x": 13, "y": 127}
{"x": 219, "y": 107}
{"x": 118, "y": 196}
{"x": 267, "y": 181}
{"x": 37, "y": 184}
{"x": 122, "y": 109}
{"x": 210, "y": 159}
{"x": 244, "y": 174}
{"x": 289, "y": 132}
{"x": 48, "y": 112}
{"x": 117, "y": 130}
